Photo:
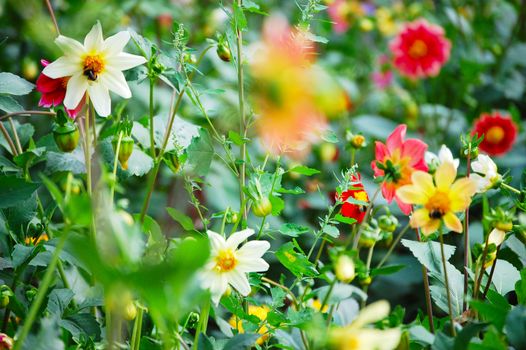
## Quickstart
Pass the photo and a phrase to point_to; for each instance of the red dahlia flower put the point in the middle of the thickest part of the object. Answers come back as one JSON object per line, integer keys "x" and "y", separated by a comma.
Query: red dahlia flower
{"x": 499, "y": 133}
{"x": 396, "y": 160}
{"x": 357, "y": 192}
{"x": 53, "y": 92}
{"x": 420, "y": 49}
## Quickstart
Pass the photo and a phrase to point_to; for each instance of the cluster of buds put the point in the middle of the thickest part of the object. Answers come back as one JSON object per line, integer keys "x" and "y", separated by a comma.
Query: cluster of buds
{"x": 470, "y": 146}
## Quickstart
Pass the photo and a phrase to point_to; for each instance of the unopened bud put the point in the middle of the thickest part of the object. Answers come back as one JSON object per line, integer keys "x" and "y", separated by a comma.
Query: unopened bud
{"x": 345, "y": 269}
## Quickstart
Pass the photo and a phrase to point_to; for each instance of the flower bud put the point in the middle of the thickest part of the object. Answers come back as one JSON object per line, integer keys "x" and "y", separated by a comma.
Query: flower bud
{"x": 190, "y": 58}
{"x": 223, "y": 51}
{"x": 345, "y": 269}
{"x": 356, "y": 141}
{"x": 193, "y": 320}
{"x": 130, "y": 311}
{"x": 173, "y": 160}
{"x": 29, "y": 68}
{"x": 262, "y": 207}
{"x": 232, "y": 217}
{"x": 329, "y": 152}
{"x": 466, "y": 150}
{"x": 5, "y": 293}
{"x": 497, "y": 236}
{"x": 365, "y": 281}
{"x": 66, "y": 136}
{"x": 30, "y": 294}
{"x": 125, "y": 150}
{"x": 504, "y": 226}
{"x": 388, "y": 223}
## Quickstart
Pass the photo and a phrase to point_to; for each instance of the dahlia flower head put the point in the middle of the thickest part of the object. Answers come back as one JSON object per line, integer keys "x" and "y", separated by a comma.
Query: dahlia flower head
{"x": 396, "y": 160}
{"x": 420, "y": 50}
{"x": 500, "y": 133}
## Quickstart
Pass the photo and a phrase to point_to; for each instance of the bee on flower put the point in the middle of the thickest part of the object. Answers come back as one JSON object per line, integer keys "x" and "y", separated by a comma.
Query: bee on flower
{"x": 229, "y": 265}
{"x": 396, "y": 161}
{"x": 94, "y": 67}
{"x": 439, "y": 197}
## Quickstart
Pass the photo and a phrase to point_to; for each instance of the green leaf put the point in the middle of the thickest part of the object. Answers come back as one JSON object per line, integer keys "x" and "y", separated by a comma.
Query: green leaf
{"x": 82, "y": 323}
{"x": 442, "y": 342}
{"x": 200, "y": 153}
{"x": 331, "y": 231}
{"x": 242, "y": 341}
{"x": 14, "y": 85}
{"x": 139, "y": 163}
{"x": 278, "y": 205}
{"x": 293, "y": 230}
{"x": 48, "y": 337}
{"x": 240, "y": 21}
{"x": 22, "y": 254}
{"x": 144, "y": 45}
{"x": 520, "y": 288}
{"x": 505, "y": 277}
{"x": 9, "y": 104}
{"x": 15, "y": 190}
{"x": 184, "y": 220}
{"x": 387, "y": 270}
{"x": 278, "y": 297}
{"x": 344, "y": 219}
{"x": 456, "y": 289}
{"x": 72, "y": 162}
{"x": 428, "y": 253}
{"x": 468, "y": 332}
{"x": 58, "y": 301}
{"x": 515, "y": 327}
{"x": 295, "y": 262}
{"x": 24, "y": 131}
{"x": 303, "y": 170}
{"x": 490, "y": 312}
{"x": 19, "y": 215}
{"x": 330, "y": 137}
{"x": 6, "y": 166}
{"x": 295, "y": 190}
{"x": 235, "y": 138}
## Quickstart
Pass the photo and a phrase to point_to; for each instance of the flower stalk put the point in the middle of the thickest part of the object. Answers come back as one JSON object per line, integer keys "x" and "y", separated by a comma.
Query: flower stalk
{"x": 446, "y": 281}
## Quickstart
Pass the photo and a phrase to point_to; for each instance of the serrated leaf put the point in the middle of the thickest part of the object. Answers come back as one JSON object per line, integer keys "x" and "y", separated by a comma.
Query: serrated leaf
{"x": 15, "y": 190}
{"x": 235, "y": 138}
{"x": 9, "y": 104}
{"x": 505, "y": 277}
{"x": 331, "y": 231}
{"x": 428, "y": 253}
{"x": 295, "y": 262}
{"x": 292, "y": 229}
{"x": 14, "y": 85}
{"x": 200, "y": 153}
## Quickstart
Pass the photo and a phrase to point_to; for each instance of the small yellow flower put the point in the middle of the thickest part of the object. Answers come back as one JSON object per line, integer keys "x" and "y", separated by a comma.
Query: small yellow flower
{"x": 316, "y": 305}
{"x": 260, "y": 312}
{"x": 35, "y": 240}
{"x": 440, "y": 199}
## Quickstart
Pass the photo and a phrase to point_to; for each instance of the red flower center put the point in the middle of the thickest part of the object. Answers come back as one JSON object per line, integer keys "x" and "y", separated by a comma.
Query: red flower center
{"x": 495, "y": 134}
{"x": 418, "y": 49}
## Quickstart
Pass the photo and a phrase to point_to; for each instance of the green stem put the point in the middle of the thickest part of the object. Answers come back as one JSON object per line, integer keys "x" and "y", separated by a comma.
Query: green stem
{"x": 446, "y": 281}
{"x": 52, "y": 14}
{"x": 15, "y": 134}
{"x": 466, "y": 239}
{"x": 150, "y": 185}
{"x": 26, "y": 113}
{"x": 513, "y": 189}
{"x": 491, "y": 274}
{"x": 9, "y": 140}
{"x": 480, "y": 274}
{"x": 329, "y": 292}
{"x": 242, "y": 120}
{"x": 429, "y": 305}
{"x": 87, "y": 147}
{"x": 136, "y": 333}
{"x": 115, "y": 165}
{"x": 203, "y": 322}
{"x": 152, "y": 131}
{"x": 393, "y": 245}
{"x": 365, "y": 218}
{"x": 42, "y": 291}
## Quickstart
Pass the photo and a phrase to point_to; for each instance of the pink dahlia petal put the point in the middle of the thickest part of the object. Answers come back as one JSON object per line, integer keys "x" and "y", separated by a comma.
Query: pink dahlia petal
{"x": 381, "y": 151}
{"x": 414, "y": 149}
{"x": 404, "y": 207}
{"x": 396, "y": 139}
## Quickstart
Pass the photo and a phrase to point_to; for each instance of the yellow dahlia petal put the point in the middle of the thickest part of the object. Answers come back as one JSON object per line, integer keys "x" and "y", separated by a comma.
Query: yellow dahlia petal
{"x": 424, "y": 182}
{"x": 452, "y": 222}
{"x": 411, "y": 194}
{"x": 420, "y": 218}
{"x": 461, "y": 192}
{"x": 445, "y": 175}
{"x": 431, "y": 227}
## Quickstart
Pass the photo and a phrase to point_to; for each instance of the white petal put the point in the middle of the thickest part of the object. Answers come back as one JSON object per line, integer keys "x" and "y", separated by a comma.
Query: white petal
{"x": 253, "y": 249}
{"x": 252, "y": 265}
{"x": 239, "y": 281}
{"x": 69, "y": 46}
{"x": 65, "y": 66}
{"x": 100, "y": 96}
{"x": 123, "y": 61}
{"x": 75, "y": 90}
{"x": 218, "y": 287}
{"x": 430, "y": 157}
{"x": 115, "y": 43}
{"x": 387, "y": 339}
{"x": 217, "y": 242}
{"x": 372, "y": 313}
{"x": 114, "y": 80}
{"x": 93, "y": 41}
{"x": 237, "y": 237}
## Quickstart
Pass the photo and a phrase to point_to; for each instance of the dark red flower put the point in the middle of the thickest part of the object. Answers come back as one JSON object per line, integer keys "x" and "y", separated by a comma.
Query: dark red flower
{"x": 357, "y": 192}
{"x": 500, "y": 132}
{"x": 53, "y": 92}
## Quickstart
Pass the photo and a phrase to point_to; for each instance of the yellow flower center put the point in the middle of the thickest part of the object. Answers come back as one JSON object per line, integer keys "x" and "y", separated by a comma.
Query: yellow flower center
{"x": 361, "y": 196}
{"x": 225, "y": 261}
{"x": 495, "y": 134}
{"x": 92, "y": 66}
{"x": 438, "y": 205}
{"x": 418, "y": 49}
{"x": 351, "y": 343}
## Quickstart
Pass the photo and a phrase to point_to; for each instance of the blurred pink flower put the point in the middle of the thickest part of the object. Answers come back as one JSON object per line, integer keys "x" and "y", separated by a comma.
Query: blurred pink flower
{"x": 420, "y": 49}
{"x": 337, "y": 11}
{"x": 383, "y": 77}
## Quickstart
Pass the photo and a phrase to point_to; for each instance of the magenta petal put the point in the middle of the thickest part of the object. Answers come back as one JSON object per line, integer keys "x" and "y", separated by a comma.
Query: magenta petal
{"x": 396, "y": 138}
{"x": 414, "y": 149}
{"x": 388, "y": 192}
{"x": 73, "y": 112}
{"x": 404, "y": 207}
{"x": 381, "y": 151}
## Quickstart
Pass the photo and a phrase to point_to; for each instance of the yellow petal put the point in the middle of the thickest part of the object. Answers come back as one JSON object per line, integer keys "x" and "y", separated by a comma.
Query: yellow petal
{"x": 424, "y": 182}
{"x": 420, "y": 218}
{"x": 411, "y": 194}
{"x": 452, "y": 222}
{"x": 431, "y": 227}
{"x": 445, "y": 175}
{"x": 461, "y": 193}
